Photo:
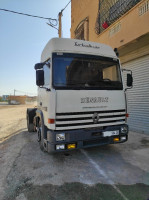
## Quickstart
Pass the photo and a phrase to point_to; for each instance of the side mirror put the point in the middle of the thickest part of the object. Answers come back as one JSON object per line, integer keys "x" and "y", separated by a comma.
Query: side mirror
{"x": 129, "y": 80}
{"x": 39, "y": 66}
{"x": 39, "y": 77}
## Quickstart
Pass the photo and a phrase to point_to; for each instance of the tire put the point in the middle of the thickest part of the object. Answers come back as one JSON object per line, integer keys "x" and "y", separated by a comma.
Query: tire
{"x": 30, "y": 126}
{"x": 41, "y": 137}
{"x": 41, "y": 140}
{"x": 30, "y": 117}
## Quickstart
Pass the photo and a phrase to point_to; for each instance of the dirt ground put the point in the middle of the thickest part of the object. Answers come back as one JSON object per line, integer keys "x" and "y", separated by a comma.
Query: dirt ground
{"x": 112, "y": 172}
{"x": 12, "y": 120}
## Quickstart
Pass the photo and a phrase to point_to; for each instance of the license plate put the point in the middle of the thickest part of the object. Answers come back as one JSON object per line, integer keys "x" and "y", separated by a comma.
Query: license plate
{"x": 110, "y": 133}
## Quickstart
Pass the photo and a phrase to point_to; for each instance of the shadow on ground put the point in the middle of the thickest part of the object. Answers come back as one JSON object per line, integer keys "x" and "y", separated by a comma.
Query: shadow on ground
{"x": 79, "y": 191}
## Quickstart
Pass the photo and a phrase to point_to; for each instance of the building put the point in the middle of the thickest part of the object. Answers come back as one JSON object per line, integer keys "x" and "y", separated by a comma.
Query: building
{"x": 5, "y": 97}
{"x": 123, "y": 25}
{"x": 17, "y": 99}
{"x": 22, "y": 99}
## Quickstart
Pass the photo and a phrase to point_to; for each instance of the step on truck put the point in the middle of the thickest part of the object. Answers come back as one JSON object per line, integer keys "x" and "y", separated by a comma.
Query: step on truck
{"x": 81, "y": 99}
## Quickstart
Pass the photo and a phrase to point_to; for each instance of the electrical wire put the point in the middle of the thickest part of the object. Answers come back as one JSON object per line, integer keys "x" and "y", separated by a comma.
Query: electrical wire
{"x": 47, "y": 18}
{"x": 52, "y": 22}
{"x": 52, "y": 26}
{"x": 65, "y": 6}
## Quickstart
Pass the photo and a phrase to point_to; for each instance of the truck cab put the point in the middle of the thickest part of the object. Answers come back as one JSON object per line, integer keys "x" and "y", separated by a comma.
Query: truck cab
{"x": 81, "y": 96}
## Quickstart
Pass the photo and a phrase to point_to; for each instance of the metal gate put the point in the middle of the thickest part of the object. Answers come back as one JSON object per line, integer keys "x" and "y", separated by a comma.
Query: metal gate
{"x": 138, "y": 96}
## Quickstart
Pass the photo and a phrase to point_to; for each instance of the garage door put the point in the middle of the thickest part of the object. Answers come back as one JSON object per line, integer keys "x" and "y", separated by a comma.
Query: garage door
{"x": 138, "y": 96}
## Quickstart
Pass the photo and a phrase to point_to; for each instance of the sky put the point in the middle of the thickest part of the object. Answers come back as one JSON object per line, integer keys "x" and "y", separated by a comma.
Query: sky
{"x": 23, "y": 38}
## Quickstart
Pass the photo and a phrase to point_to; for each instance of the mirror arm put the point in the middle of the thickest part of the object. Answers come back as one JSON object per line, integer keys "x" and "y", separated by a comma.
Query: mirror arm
{"x": 47, "y": 89}
{"x": 48, "y": 64}
{"x": 127, "y": 70}
{"x": 128, "y": 88}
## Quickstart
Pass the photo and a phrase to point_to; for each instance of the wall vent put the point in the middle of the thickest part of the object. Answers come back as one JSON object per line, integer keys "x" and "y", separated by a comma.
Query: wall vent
{"x": 144, "y": 8}
{"x": 115, "y": 29}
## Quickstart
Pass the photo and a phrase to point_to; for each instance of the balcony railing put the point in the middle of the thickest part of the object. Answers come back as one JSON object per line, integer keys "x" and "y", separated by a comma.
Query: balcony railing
{"x": 110, "y": 11}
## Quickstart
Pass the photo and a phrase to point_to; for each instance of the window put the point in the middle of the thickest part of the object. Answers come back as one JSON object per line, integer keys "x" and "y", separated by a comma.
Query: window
{"x": 82, "y": 30}
{"x": 110, "y": 11}
{"x": 46, "y": 76}
{"x": 79, "y": 33}
{"x": 86, "y": 72}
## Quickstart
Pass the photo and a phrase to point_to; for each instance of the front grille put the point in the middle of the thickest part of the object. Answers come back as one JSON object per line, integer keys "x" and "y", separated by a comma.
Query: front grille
{"x": 77, "y": 120}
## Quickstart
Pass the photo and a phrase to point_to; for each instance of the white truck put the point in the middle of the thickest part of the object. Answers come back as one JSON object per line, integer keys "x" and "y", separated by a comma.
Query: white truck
{"x": 81, "y": 96}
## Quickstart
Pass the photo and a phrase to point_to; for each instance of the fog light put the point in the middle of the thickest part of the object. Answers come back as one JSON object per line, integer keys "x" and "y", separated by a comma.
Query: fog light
{"x": 60, "y": 146}
{"x": 71, "y": 146}
{"x": 124, "y": 129}
{"x": 116, "y": 139}
{"x": 123, "y": 138}
{"x": 60, "y": 137}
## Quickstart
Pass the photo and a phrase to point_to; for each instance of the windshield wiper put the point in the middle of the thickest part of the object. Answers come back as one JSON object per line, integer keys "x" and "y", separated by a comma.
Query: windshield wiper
{"x": 107, "y": 79}
{"x": 87, "y": 84}
{"x": 75, "y": 83}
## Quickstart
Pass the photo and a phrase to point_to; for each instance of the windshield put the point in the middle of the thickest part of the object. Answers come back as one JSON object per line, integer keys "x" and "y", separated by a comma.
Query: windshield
{"x": 85, "y": 72}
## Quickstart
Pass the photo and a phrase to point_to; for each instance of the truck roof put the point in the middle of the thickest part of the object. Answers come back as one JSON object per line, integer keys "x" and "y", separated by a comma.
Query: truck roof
{"x": 66, "y": 45}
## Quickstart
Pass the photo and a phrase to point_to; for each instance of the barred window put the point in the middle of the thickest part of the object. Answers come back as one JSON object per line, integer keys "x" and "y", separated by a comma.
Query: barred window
{"x": 110, "y": 11}
{"x": 82, "y": 30}
{"x": 79, "y": 33}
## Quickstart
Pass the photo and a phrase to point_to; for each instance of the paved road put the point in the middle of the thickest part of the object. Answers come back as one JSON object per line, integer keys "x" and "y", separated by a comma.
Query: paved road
{"x": 115, "y": 172}
{"x": 112, "y": 172}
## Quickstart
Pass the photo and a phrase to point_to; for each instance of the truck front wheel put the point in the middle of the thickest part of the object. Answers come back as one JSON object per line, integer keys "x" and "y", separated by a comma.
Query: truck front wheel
{"x": 40, "y": 138}
{"x": 30, "y": 118}
{"x": 40, "y": 133}
{"x": 30, "y": 126}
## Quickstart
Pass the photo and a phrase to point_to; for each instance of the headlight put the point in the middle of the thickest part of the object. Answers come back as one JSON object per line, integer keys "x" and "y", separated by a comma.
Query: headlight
{"x": 60, "y": 137}
{"x": 124, "y": 129}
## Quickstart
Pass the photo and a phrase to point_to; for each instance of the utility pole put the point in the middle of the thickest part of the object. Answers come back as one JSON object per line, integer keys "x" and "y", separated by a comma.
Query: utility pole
{"x": 60, "y": 23}
{"x": 14, "y": 92}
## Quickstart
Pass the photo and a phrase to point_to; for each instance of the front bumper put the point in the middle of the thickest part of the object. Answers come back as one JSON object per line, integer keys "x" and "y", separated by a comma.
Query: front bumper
{"x": 84, "y": 138}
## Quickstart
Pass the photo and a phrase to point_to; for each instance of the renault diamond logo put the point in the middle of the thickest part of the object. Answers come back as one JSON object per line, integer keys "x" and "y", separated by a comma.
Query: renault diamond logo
{"x": 95, "y": 118}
